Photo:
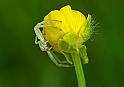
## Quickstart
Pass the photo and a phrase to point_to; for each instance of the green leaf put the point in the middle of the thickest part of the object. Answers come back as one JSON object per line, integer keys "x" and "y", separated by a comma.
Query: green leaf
{"x": 85, "y": 31}
{"x": 83, "y": 54}
{"x": 66, "y": 47}
{"x": 68, "y": 57}
{"x": 71, "y": 38}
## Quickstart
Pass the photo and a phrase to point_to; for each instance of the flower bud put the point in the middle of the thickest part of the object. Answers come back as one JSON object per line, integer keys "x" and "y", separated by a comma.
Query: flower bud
{"x": 66, "y": 32}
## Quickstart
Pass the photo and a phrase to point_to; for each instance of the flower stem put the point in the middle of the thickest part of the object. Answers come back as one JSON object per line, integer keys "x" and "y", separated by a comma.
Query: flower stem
{"x": 79, "y": 70}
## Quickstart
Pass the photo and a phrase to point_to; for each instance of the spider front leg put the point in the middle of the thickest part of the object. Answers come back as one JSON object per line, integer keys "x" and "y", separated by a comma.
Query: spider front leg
{"x": 57, "y": 61}
{"x": 42, "y": 45}
{"x": 41, "y": 25}
{"x": 36, "y": 40}
{"x": 42, "y": 42}
{"x": 38, "y": 32}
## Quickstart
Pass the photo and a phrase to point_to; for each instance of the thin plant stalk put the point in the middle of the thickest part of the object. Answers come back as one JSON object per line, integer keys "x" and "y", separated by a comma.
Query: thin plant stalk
{"x": 79, "y": 70}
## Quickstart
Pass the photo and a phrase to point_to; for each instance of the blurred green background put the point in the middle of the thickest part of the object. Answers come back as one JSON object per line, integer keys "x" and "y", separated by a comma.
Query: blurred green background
{"x": 23, "y": 64}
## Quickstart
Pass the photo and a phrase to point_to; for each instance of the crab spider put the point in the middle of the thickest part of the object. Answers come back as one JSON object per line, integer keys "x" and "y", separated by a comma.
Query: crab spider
{"x": 43, "y": 44}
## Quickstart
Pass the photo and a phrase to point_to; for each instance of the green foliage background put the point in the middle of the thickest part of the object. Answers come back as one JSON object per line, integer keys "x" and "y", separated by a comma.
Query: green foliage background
{"x": 23, "y": 64}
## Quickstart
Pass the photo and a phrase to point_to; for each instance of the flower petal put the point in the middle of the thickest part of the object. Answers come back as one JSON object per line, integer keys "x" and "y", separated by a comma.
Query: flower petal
{"x": 57, "y": 19}
{"x": 74, "y": 19}
{"x": 57, "y": 27}
{"x": 53, "y": 32}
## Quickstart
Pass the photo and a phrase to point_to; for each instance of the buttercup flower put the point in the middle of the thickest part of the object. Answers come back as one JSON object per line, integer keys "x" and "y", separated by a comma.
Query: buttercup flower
{"x": 66, "y": 30}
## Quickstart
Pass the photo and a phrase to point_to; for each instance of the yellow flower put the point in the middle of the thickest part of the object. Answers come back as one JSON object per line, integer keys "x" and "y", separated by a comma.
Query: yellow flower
{"x": 67, "y": 30}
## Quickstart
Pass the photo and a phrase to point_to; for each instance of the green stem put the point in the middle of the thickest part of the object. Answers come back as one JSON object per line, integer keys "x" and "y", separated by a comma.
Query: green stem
{"x": 79, "y": 70}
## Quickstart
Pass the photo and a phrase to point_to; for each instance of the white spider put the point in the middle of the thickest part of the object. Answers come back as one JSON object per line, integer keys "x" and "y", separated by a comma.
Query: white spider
{"x": 43, "y": 44}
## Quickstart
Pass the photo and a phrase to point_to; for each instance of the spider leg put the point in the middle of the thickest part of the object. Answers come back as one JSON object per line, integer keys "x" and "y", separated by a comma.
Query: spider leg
{"x": 38, "y": 32}
{"x": 43, "y": 44}
{"x": 41, "y": 25}
{"x": 53, "y": 58}
{"x": 36, "y": 41}
{"x": 57, "y": 59}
